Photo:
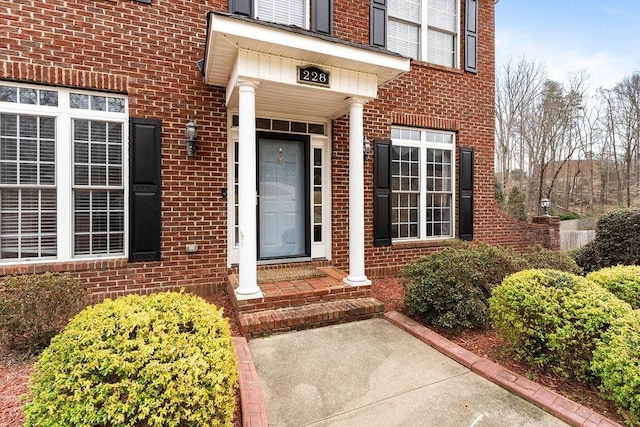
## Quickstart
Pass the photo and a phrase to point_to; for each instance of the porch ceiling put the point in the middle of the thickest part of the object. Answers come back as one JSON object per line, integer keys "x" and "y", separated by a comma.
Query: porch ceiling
{"x": 229, "y": 36}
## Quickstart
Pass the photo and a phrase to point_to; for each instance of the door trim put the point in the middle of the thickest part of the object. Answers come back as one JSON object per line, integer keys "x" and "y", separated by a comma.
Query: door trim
{"x": 306, "y": 144}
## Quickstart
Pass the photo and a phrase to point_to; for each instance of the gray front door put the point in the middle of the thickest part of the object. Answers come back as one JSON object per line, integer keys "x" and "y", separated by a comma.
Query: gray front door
{"x": 282, "y": 197}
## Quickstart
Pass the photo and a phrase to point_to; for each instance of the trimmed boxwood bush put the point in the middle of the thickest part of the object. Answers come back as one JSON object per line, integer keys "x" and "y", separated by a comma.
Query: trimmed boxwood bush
{"x": 552, "y": 319}
{"x": 586, "y": 257}
{"x": 161, "y": 360}
{"x": 618, "y": 238}
{"x": 617, "y": 242}
{"x": 35, "y": 307}
{"x": 616, "y": 361}
{"x": 541, "y": 257}
{"x": 623, "y": 281}
{"x": 451, "y": 288}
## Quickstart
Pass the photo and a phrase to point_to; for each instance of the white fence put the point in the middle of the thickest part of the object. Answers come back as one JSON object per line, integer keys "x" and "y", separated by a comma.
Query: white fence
{"x": 572, "y": 239}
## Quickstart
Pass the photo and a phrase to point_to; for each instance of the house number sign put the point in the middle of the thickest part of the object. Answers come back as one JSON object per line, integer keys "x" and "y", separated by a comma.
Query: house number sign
{"x": 313, "y": 75}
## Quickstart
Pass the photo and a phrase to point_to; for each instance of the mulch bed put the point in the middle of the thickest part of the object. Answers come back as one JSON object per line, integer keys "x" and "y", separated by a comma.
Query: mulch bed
{"x": 15, "y": 371}
{"x": 487, "y": 344}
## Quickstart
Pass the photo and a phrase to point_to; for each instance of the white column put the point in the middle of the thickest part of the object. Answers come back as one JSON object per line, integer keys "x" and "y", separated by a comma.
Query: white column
{"x": 248, "y": 280}
{"x": 356, "y": 275}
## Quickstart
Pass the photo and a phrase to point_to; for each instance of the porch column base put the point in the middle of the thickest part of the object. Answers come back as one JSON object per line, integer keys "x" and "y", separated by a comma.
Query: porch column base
{"x": 356, "y": 281}
{"x": 244, "y": 296}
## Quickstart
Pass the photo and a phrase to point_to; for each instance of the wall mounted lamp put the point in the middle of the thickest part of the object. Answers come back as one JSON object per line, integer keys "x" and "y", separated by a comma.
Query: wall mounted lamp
{"x": 366, "y": 148}
{"x": 191, "y": 134}
{"x": 545, "y": 206}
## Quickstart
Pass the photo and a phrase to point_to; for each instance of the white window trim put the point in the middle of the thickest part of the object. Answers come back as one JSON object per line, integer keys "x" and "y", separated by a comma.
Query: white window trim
{"x": 307, "y": 15}
{"x": 64, "y": 116}
{"x": 422, "y": 208}
{"x": 424, "y": 29}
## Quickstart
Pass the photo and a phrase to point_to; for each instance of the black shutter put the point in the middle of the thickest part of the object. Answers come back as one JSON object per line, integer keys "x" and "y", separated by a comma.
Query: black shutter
{"x": 241, "y": 7}
{"x": 381, "y": 192}
{"x": 471, "y": 36}
{"x": 378, "y": 23}
{"x": 144, "y": 172}
{"x": 466, "y": 194}
{"x": 322, "y": 16}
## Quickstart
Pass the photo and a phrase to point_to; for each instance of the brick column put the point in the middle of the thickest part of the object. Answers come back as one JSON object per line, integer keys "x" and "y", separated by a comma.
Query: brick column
{"x": 550, "y": 236}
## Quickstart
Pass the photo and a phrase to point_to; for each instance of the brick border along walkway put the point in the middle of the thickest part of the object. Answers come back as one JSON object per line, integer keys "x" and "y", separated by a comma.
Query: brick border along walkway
{"x": 254, "y": 410}
{"x": 552, "y": 402}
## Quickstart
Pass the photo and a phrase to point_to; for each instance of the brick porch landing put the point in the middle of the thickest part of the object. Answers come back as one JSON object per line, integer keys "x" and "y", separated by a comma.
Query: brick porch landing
{"x": 304, "y": 303}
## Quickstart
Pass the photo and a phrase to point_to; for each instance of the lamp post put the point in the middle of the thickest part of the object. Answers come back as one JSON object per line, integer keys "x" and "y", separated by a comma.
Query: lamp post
{"x": 545, "y": 206}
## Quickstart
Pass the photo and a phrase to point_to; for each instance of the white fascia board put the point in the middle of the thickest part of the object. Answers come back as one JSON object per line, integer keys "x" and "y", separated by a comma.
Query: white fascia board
{"x": 361, "y": 58}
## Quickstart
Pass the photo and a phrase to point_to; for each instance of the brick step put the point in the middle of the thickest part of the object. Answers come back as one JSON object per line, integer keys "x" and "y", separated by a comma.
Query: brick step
{"x": 292, "y": 293}
{"x": 267, "y": 322}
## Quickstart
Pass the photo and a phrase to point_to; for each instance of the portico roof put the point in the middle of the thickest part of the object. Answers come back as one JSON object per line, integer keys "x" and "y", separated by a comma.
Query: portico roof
{"x": 238, "y": 47}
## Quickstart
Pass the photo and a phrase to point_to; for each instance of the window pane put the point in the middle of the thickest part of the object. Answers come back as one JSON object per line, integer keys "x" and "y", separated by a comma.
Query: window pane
{"x": 49, "y": 98}
{"x": 8, "y": 125}
{"x": 288, "y": 12}
{"x": 98, "y": 103}
{"x": 408, "y": 10}
{"x": 442, "y": 14}
{"x": 403, "y": 38}
{"x": 27, "y": 223}
{"x": 28, "y": 96}
{"x": 79, "y": 101}
{"x": 116, "y": 105}
{"x": 441, "y": 48}
{"x": 8, "y": 94}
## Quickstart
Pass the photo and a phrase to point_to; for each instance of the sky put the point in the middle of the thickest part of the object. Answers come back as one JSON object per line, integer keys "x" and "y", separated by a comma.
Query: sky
{"x": 601, "y": 37}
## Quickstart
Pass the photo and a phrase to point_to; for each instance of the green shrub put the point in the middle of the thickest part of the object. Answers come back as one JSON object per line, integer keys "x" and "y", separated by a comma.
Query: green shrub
{"x": 623, "y": 281}
{"x": 618, "y": 238}
{"x": 516, "y": 204}
{"x": 34, "y": 308}
{"x": 541, "y": 257}
{"x": 162, "y": 360}
{"x": 569, "y": 216}
{"x": 450, "y": 288}
{"x": 616, "y": 361}
{"x": 586, "y": 257}
{"x": 552, "y": 319}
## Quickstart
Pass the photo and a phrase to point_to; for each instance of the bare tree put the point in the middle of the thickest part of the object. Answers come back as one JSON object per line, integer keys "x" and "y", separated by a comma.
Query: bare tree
{"x": 621, "y": 122}
{"x": 517, "y": 86}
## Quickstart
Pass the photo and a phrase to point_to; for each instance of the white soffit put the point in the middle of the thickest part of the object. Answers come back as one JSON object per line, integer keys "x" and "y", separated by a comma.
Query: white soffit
{"x": 229, "y": 37}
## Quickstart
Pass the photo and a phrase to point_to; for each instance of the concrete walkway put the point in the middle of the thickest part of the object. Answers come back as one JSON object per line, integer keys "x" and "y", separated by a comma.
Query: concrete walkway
{"x": 372, "y": 373}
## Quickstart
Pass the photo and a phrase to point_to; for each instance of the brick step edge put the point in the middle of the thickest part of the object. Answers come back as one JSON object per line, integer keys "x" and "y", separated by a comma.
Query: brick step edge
{"x": 567, "y": 410}
{"x": 267, "y": 322}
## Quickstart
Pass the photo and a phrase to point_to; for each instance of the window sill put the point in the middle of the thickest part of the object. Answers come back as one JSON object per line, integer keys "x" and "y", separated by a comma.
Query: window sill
{"x": 412, "y": 244}
{"x": 424, "y": 64}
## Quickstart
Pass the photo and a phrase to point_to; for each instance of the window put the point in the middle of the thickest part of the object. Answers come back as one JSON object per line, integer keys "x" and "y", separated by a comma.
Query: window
{"x": 422, "y": 184}
{"x": 426, "y": 30}
{"x": 61, "y": 174}
{"x": 288, "y": 12}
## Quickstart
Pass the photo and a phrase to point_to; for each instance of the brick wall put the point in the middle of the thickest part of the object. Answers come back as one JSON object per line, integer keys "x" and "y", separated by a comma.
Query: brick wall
{"x": 149, "y": 53}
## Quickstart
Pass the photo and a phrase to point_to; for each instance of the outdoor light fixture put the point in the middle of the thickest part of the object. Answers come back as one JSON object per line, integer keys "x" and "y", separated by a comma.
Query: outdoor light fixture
{"x": 366, "y": 148}
{"x": 545, "y": 206}
{"x": 191, "y": 133}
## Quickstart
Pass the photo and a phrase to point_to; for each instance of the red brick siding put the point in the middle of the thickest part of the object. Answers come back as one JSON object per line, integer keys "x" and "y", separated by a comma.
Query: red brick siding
{"x": 435, "y": 97}
{"x": 149, "y": 53}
